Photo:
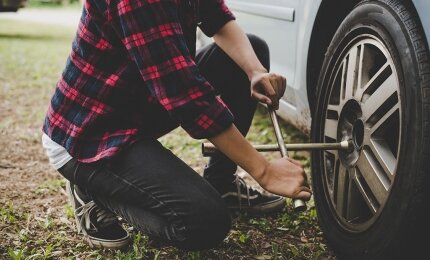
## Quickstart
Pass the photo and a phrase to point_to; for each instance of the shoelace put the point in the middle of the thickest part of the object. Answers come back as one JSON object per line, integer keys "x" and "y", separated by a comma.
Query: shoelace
{"x": 104, "y": 218}
{"x": 239, "y": 181}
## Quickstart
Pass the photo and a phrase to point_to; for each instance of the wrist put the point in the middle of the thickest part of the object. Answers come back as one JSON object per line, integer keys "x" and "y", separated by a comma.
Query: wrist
{"x": 259, "y": 168}
{"x": 257, "y": 71}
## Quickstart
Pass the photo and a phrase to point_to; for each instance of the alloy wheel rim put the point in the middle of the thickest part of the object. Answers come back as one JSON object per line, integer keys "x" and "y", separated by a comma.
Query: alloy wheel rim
{"x": 364, "y": 106}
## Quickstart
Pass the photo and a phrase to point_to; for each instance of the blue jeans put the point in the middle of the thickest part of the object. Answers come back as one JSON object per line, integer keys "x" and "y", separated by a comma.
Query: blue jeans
{"x": 156, "y": 192}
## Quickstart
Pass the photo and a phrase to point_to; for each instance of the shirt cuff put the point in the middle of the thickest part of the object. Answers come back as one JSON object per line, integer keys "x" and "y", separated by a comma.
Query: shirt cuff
{"x": 215, "y": 21}
{"x": 213, "y": 120}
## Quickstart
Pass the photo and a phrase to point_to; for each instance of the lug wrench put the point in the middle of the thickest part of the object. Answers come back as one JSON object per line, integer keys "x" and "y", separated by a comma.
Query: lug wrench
{"x": 299, "y": 205}
{"x": 209, "y": 149}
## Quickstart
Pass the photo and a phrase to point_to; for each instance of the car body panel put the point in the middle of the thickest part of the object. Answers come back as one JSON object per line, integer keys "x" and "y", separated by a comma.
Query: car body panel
{"x": 289, "y": 47}
{"x": 423, "y": 9}
{"x": 287, "y": 27}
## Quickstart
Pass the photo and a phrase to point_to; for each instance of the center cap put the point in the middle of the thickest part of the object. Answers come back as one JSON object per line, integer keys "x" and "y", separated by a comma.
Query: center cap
{"x": 351, "y": 127}
{"x": 358, "y": 134}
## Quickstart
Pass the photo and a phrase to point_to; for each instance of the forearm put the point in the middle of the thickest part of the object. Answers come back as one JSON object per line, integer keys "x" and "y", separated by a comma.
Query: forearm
{"x": 232, "y": 143}
{"x": 233, "y": 41}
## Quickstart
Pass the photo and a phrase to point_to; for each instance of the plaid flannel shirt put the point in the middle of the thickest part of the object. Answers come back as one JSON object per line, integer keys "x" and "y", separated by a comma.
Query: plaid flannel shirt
{"x": 131, "y": 74}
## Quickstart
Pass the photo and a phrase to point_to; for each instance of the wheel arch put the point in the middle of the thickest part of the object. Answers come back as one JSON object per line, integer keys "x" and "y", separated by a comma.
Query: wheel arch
{"x": 325, "y": 27}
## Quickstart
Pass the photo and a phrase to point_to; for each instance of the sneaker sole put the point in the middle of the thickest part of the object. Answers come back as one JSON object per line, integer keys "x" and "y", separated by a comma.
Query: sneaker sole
{"x": 92, "y": 241}
{"x": 272, "y": 207}
{"x": 108, "y": 244}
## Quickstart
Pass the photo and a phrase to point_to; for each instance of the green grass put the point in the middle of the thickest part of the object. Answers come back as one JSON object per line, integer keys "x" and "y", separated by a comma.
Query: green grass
{"x": 51, "y": 4}
{"x": 8, "y": 214}
{"x": 51, "y": 186}
{"x": 32, "y": 57}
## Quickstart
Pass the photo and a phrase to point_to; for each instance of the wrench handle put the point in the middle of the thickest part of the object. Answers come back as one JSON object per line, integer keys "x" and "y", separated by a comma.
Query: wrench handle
{"x": 299, "y": 205}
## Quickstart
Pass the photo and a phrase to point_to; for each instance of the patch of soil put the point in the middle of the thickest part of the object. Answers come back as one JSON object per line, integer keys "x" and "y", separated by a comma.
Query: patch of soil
{"x": 24, "y": 170}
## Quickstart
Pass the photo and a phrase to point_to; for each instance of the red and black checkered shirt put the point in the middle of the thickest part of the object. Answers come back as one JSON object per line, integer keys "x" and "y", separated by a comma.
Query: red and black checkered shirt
{"x": 131, "y": 74}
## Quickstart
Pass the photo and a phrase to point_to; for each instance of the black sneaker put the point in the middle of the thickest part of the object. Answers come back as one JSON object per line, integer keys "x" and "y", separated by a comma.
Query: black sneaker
{"x": 100, "y": 227}
{"x": 239, "y": 197}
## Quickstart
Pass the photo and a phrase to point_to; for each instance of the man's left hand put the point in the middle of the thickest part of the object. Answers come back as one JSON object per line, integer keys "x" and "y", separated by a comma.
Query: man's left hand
{"x": 268, "y": 88}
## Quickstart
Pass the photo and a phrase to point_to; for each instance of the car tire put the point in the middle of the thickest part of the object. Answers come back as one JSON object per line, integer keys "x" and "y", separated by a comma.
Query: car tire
{"x": 374, "y": 90}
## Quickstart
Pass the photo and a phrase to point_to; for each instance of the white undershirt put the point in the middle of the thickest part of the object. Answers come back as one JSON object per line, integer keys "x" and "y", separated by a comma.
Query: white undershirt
{"x": 58, "y": 156}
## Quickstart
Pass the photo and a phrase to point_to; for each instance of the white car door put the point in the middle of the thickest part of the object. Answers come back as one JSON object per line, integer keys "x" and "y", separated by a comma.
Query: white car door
{"x": 286, "y": 26}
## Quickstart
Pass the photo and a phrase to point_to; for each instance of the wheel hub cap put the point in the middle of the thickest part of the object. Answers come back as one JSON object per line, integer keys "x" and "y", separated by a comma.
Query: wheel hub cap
{"x": 364, "y": 107}
{"x": 351, "y": 127}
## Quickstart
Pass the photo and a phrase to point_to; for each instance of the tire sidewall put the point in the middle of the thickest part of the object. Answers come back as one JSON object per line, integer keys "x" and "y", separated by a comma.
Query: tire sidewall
{"x": 385, "y": 235}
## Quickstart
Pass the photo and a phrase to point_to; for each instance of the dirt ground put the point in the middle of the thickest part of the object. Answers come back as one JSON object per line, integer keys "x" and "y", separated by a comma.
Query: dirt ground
{"x": 35, "y": 220}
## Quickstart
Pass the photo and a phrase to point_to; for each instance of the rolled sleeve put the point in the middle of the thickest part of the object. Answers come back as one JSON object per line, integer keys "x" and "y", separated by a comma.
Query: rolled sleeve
{"x": 215, "y": 119}
{"x": 214, "y": 14}
{"x": 152, "y": 34}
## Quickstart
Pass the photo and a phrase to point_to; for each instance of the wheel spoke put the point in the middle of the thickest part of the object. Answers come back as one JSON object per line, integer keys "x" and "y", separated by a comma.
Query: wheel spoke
{"x": 337, "y": 85}
{"x": 333, "y": 153}
{"x": 378, "y": 77}
{"x": 373, "y": 176}
{"x": 378, "y": 98}
{"x": 341, "y": 189}
{"x": 360, "y": 70}
{"x": 331, "y": 128}
{"x": 335, "y": 108}
{"x": 351, "y": 74}
{"x": 343, "y": 79}
{"x": 384, "y": 119}
{"x": 384, "y": 156}
{"x": 362, "y": 189}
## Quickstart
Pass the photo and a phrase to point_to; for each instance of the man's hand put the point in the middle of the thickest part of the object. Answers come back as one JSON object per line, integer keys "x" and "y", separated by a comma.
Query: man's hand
{"x": 287, "y": 178}
{"x": 268, "y": 88}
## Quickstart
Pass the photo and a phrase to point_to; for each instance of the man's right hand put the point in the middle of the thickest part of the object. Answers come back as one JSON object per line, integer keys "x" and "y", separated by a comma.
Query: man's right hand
{"x": 285, "y": 177}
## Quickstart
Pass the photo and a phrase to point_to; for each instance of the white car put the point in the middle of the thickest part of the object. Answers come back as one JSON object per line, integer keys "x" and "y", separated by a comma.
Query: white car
{"x": 357, "y": 71}
{"x": 11, "y": 5}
